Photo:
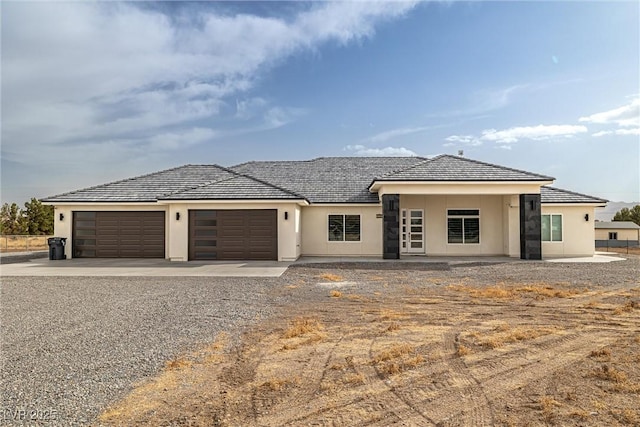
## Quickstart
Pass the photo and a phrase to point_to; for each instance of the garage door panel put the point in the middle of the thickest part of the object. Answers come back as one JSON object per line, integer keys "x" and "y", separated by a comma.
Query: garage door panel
{"x": 119, "y": 234}
{"x": 233, "y": 234}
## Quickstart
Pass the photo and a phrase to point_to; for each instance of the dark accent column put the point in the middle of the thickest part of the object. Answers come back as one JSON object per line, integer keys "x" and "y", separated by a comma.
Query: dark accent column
{"x": 391, "y": 226}
{"x": 530, "y": 223}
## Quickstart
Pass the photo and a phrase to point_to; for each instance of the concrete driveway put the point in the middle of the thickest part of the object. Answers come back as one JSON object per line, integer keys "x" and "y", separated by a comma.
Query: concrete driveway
{"x": 144, "y": 267}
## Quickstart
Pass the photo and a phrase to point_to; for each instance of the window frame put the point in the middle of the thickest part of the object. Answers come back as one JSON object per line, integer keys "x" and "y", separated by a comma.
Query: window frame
{"x": 344, "y": 228}
{"x": 613, "y": 235}
{"x": 463, "y": 217}
{"x": 551, "y": 240}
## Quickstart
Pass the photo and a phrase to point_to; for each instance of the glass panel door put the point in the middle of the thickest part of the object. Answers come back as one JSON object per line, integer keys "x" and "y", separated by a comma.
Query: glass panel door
{"x": 412, "y": 231}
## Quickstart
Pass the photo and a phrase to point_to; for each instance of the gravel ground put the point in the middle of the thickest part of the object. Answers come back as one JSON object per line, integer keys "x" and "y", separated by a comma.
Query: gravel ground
{"x": 74, "y": 345}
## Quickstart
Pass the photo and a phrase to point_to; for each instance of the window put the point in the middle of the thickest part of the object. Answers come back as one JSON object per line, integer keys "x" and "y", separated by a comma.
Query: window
{"x": 613, "y": 235}
{"x": 463, "y": 226}
{"x": 552, "y": 228}
{"x": 344, "y": 228}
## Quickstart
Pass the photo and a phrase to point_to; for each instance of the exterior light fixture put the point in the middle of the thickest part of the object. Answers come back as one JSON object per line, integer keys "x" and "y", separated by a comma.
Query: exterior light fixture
{"x": 586, "y": 217}
{"x": 177, "y": 216}
{"x": 286, "y": 215}
{"x": 61, "y": 217}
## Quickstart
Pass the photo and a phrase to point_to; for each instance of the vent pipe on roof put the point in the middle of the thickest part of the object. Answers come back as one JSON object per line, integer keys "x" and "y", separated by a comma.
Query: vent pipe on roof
{"x": 460, "y": 153}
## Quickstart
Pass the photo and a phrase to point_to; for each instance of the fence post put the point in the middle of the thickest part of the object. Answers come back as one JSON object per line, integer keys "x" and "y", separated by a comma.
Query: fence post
{"x": 27, "y": 240}
{"x": 627, "y": 246}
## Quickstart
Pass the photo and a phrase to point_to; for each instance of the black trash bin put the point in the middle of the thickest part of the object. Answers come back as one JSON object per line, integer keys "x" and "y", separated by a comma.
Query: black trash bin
{"x": 56, "y": 248}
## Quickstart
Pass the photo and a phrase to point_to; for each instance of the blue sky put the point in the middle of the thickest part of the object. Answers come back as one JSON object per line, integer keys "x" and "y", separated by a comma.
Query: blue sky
{"x": 94, "y": 92}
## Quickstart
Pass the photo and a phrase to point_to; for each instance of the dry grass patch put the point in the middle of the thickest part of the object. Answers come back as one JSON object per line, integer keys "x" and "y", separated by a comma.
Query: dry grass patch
{"x": 626, "y": 308}
{"x": 608, "y": 373}
{"x": 279, "y": 384}
{"x": 335, "y": 294}
{"x": 331, "y": 277}
{"x": 391, "y": 315}
{"x": 463, "y": 351}
{"x": 547, "y": 405}
{"x": 354, "y": 378}
{"x": 393, "y": 327}
{"x": 504, "y": 334}
{"x": 513, "y": 291}
{"x": 396, "y": 359}
{"x": 603, "y": 353}
{"x": 301, "y": 326}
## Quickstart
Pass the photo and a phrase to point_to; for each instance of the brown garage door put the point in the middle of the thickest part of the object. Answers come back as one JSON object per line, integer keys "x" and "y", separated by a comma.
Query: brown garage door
{"x": 233, "y": 234}
{"x": 118, "y": 234}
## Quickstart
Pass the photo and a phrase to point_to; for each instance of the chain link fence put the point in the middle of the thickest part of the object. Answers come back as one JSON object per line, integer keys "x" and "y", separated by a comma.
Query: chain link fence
{"x": 19, "y": 243}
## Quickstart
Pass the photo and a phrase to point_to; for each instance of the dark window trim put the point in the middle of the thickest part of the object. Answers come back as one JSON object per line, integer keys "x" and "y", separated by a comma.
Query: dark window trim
{"x": 341, "y": 228}
{"x": 463, "y": 215}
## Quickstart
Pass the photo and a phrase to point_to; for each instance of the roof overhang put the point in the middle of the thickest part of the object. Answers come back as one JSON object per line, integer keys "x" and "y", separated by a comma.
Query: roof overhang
{"x": 457, "y": 187}
{"x": 301, "y": 202}
{"x": 565, "y": 204}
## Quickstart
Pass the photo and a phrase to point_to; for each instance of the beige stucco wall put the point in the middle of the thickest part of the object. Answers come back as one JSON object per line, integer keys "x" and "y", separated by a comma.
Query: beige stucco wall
{"x": 511, "y": 225}
{"x": 623, "y": 234}
{"x": 435, "y": 217}
{"x": 177, "y": 231}
{"x": 578, "y": 235}
{"x": 315, "y": 238}
{"x": 458, "y": 188}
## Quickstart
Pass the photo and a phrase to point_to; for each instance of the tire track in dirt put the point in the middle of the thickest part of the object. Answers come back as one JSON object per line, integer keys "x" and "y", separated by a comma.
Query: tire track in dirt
{"x": 459, "y": 398}
{"x": 509, "y": 373}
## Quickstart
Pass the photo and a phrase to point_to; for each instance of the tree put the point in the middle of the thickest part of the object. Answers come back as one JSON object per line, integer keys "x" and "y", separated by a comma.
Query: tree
{"x": 626, "y": 214}
{"x": 13, "y": 221}
{"x": 38, "y": 217}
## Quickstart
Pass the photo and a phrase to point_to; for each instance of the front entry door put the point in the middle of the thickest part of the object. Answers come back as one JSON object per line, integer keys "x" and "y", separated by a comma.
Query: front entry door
{"x": 412, "y": 231}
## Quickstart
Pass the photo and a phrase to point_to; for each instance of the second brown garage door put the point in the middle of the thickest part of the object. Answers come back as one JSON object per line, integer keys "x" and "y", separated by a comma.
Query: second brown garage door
{"x": 233, "y": 234}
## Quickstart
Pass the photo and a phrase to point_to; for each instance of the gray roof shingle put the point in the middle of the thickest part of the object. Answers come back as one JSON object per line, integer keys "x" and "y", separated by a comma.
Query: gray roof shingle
{"x": 147, "y": 188}
{"x": 321, "y": 180}
{"x": 617, "y": 225}
{"x": 238, "y": 187}
{"x": 557, "y": 195}
{"x": 453, "y": 168}
{"x": 328, "y": 179}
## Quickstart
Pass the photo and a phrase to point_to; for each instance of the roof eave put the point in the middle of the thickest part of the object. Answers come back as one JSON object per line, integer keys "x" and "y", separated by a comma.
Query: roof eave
{"x": 376, "y": 183}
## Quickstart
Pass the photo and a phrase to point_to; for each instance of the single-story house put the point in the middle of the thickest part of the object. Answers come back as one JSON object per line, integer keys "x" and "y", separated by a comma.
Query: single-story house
{"x": 617, "y": 233}
{"x": 384, "y": 207}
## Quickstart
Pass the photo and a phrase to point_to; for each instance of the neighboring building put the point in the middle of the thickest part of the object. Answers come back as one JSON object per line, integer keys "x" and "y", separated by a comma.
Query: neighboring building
{"x": 336, "y": 206}
{"x": 617, "y": 233}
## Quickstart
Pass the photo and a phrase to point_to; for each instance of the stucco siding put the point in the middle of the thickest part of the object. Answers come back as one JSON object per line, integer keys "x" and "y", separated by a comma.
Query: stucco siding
{"x": 435, "y": 218}
{"x": 177, "y": 230}
{"x": 578, "y": 234}
{"x": 315, "y": 236}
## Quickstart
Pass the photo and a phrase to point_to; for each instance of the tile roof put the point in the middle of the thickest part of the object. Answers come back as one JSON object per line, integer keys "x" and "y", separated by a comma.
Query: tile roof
{"x": 617, "y": 225}
{"x": 328, "y": 179}
{"x": 558, "y": 195}
{"x": 238, "y": 187}
{"x": 453, "y": 168}
{"x": 147, "y": 188}
{"x": 321, "y": 180}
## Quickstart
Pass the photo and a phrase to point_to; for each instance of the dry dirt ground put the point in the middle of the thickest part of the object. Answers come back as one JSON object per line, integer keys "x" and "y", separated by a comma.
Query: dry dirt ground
{"x": 412, "y": 348}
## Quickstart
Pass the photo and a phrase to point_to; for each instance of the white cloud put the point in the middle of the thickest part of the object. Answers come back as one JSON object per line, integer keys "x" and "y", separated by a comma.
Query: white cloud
{"x": 625, "y": 116}
{"x": 635, "y": 131}
{"x": 463, "y": 139}
{"x": 361, "y": 150}
{"x": 102, "y": 72}
{"x": 536, "y": 133}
